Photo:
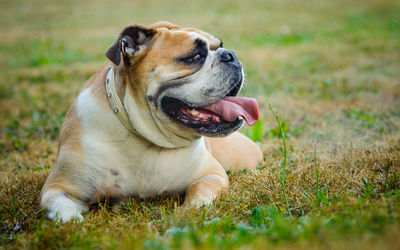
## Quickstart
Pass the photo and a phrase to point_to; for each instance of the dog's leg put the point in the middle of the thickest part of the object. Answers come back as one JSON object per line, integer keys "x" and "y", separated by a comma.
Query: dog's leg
{"x": 235, "y": 152}
{"x": 207, "y": 188}
{"x": 62, "y": 207}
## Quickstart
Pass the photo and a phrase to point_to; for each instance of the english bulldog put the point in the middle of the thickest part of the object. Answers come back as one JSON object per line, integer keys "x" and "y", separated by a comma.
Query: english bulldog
{"x": 160, "y": 118}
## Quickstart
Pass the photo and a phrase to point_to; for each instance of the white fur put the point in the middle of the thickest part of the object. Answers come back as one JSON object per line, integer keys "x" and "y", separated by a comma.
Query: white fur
{"x": 62, "y": 208}
{"x": 107, "y": 146}
{"x": 143, "y": 170}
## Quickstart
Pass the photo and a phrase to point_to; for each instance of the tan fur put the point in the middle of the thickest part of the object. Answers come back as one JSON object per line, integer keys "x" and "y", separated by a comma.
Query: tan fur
{"x": 214, "y": 42}
{"x": 71, "y": 132}
{"x": 213, "y": 181}
{"x": 235, "y": 152}
{"x": 98, "y": 157}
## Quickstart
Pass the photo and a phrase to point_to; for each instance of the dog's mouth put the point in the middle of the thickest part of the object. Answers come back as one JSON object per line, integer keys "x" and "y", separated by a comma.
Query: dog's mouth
{"x": 216, "y": 119}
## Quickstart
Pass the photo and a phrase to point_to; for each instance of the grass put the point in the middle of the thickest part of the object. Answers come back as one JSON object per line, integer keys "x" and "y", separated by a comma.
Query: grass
{"x": 330, "y": 68}
{"x": 318, "y": 193}
{"x": 283, "y": 170}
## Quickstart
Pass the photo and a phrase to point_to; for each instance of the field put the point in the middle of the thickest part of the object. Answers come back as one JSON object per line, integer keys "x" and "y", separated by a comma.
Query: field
{"x": 330, "y": 69}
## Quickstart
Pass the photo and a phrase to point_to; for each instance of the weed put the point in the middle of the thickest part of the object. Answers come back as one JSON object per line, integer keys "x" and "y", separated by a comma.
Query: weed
{"x": 283, "y": 170}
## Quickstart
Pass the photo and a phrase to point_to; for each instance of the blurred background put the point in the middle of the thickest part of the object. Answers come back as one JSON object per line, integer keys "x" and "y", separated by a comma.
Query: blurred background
{"x": 331, "y": 68}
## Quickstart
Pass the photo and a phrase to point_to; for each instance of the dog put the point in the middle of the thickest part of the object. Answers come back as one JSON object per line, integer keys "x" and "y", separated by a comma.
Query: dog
{"x": 160, "y": 118}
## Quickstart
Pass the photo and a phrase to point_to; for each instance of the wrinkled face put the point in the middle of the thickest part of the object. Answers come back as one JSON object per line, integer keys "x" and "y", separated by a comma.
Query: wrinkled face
{"x": 198, "y": 74}
{"x": 184, "y": 76}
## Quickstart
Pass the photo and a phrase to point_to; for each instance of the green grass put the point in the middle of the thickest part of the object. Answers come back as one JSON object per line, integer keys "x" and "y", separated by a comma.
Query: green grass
{"x": 329, "y": 68}
{"x": 283, "y": 166}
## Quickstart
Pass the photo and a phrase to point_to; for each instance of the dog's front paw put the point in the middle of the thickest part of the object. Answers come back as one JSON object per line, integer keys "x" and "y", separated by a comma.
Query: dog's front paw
{"x": 197, "y": 202}
{"x": 65, "y": 216}
{"x": 202, "y": 193}
{"x": 64, "y": 209}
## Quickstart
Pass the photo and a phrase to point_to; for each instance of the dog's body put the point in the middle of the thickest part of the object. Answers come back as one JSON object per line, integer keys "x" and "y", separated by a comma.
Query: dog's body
{"x": 158, "y": 84}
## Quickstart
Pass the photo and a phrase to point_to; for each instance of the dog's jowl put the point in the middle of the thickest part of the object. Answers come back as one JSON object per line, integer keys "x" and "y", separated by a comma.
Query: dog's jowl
{"x": 159, "y": 118}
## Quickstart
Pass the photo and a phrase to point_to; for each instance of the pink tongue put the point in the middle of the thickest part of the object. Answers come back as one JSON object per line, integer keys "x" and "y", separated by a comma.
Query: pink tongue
{"x": 230, "y": 108}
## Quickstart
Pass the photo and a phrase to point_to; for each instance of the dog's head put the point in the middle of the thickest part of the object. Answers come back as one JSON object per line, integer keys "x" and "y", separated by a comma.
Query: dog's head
{"x": 184, "y": 79}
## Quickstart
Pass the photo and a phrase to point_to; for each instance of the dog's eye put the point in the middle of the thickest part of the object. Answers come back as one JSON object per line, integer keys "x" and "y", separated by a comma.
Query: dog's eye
{"x": 195, "y": 58}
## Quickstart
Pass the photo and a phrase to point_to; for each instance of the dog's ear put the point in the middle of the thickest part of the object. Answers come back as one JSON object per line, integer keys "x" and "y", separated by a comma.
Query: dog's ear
{"x": 133, "y": 39}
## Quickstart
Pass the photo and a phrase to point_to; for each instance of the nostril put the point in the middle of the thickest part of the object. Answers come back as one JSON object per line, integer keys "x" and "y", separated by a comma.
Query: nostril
{"x": 227, "y": 56}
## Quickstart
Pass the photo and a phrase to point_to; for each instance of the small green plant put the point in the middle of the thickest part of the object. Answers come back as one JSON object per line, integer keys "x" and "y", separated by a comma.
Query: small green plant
{"x": 319, "y": 194}
{"x": 368, "y": 188}
{"x": 290, "y": 130}
{"x": 276, "y": 132}
{"x": 283, "y": 166}
{"x": 257, "y": 131}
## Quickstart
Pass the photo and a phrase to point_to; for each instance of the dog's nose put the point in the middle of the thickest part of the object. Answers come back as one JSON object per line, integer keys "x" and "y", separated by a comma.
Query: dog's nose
{"x": 226, "y": 55}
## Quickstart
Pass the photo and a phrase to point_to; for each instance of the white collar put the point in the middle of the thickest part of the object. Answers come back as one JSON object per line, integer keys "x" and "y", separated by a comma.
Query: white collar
{"x": 115, "y": 102}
